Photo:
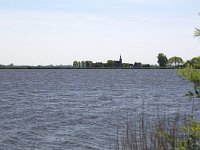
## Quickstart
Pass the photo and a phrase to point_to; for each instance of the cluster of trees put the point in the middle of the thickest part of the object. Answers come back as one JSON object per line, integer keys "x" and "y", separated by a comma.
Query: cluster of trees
{"x": 82, "y": 64}
{"x": 90, "y": 64}
{"x": 110, "y": 63}
{"x": 175, "y": 61}
{"x": 195, "y": 62}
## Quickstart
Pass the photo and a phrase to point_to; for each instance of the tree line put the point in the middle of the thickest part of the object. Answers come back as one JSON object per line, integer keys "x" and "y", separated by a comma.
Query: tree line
{"x": 176, "y": 61}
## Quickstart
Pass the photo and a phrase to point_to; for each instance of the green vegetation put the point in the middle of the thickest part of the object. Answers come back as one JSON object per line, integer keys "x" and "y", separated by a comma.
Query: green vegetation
{"x": 192, "y": 75}
{"x": 175, "y": 61}
{"x": 110, "y": 63}
{"x": 162, "y": 60}
{"x": 193, "y": 139}
{"x": 194, "y": 62}
{"x": 164, "y": 134}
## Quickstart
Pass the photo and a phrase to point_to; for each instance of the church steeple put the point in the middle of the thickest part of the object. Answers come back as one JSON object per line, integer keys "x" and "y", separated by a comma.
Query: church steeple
{"x": 120, "y": 59}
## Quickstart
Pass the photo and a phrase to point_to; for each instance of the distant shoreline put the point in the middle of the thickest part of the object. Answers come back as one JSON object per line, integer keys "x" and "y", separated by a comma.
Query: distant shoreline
{"x": 32, "y": 67}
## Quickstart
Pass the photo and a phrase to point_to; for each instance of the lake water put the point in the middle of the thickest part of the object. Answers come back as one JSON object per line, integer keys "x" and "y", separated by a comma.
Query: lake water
{"x": 81, "y": 109}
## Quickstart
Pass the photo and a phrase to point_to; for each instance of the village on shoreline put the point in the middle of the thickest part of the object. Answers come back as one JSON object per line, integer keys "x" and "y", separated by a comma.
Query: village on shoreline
{"x": 163, "y": 63}
{"x": 111, "y": 64}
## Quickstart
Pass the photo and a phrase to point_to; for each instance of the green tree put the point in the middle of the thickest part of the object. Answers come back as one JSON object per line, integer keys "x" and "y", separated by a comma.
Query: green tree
{"x": 162, "y": 60}
{"x": 75, "y": 63}
{"x": 179, "y": 61}
{"x": 88, "y": 64}
{"x": 170, "y": 62}
{"x": 79, "y": 64}
{"x": 110, "y": 63}
{"x": 196, "y": 62}
{"x": 83, "y": 64}
{"x": 194, "y": 76}
{"x": 175, "y": 61}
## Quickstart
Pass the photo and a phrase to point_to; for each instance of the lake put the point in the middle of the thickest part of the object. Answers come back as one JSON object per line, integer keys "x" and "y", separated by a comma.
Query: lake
{"x": 82, "y": 109}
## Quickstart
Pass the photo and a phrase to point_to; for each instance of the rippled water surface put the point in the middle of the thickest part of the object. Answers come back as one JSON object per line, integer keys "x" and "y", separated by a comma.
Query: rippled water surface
{"x": 81, "y": 109}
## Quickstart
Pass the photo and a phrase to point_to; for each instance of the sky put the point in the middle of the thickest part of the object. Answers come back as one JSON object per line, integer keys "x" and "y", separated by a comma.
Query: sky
{"x": 44, "y": 32}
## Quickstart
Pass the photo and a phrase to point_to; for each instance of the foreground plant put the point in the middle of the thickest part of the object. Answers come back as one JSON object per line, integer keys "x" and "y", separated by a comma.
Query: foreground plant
{"x": 192, "y": 142}
{"x": 192, "y": 75}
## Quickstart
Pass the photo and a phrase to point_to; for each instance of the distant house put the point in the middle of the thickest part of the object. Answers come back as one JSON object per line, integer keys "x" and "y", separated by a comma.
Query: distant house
{"x": 137, "y": 65}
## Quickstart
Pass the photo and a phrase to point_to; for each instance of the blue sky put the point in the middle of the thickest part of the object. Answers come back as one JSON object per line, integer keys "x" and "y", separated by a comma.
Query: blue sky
{"x": 57, "y": 32}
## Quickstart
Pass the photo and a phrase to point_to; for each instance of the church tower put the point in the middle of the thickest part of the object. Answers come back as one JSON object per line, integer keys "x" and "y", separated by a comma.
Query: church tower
{"x": 120, "y": 60}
